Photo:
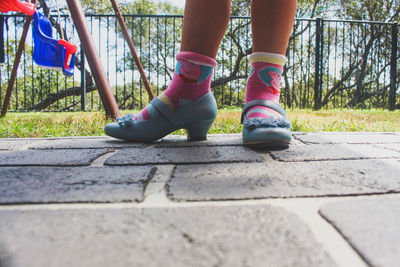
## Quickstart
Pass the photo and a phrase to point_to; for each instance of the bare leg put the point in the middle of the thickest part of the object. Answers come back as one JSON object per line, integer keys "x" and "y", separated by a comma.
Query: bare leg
{"x": 272, "y": 22}
{"x": 204, "y": 25}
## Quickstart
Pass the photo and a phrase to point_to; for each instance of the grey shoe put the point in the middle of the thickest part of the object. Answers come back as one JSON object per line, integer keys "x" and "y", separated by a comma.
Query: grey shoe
{"x": 196, "y": 116}
{"x": 267, "y": 132}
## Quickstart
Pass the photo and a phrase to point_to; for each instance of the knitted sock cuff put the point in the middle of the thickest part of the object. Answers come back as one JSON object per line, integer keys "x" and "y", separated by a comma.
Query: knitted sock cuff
{"x": 268, "y": 58}
{"x": 196, "y": 58}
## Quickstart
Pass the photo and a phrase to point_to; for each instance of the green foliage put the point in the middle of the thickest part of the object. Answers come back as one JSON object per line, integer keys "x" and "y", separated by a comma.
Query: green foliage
{"x": 147, "y": 7}
{"x": 373, "y": 10}
{"x": 240, "y": 7}
{"x": 131, "y": 95}
{"x": 314, "y": 8}
{"x": 96, "y": 6}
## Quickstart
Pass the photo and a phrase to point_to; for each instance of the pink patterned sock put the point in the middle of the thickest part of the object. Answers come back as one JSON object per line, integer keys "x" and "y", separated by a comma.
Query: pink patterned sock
{"x": 192, "y": 79}
{"x": 264, "y": 82}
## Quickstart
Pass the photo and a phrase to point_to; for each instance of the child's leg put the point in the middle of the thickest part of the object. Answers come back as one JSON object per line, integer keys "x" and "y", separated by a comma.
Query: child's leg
{"x": 272, "y": 22}
{"x": 187, "y": 102}
{"x": 204, "y": 25}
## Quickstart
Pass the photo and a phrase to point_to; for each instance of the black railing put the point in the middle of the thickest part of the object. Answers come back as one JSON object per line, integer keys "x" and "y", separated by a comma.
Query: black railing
{"x": 331, "y": 64}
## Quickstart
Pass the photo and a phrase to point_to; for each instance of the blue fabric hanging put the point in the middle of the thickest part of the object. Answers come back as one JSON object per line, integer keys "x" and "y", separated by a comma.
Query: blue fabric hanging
{"x": 49, "y": 52}
{"x": 2, "y": 53}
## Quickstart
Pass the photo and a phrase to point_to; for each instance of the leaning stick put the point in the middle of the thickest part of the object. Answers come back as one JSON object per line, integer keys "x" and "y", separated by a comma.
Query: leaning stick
{"x": 89, "y": 48}
{"x": 17, "y": 60}
{"x": 132, "y": 48}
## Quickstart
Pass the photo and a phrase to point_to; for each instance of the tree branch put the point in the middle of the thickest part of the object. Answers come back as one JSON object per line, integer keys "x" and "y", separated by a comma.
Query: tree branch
{"x": 54, "y": 97}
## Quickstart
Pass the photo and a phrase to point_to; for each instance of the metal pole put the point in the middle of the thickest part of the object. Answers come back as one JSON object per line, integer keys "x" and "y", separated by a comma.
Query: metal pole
{"x": 103, "y": 86}
{"x": 317, "y": 63}
{"x": 21, "y": 46}
{"x": 2, "y": 52}
{"x": 2, "y": 56}
{"x": 83, "y": 81}
{"x": 321, "y": 64}
{"x": 128, "y": 39}
{"x": 393, "y": 68}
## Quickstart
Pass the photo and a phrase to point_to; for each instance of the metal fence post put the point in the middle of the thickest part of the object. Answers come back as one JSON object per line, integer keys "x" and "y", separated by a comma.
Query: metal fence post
{"x": 317, "y": 93}
{"x": 393, "y": 68}
{"x": 2, "y": 53}
{"x": 321, "y": 64}
{"x": 83, "y": 81}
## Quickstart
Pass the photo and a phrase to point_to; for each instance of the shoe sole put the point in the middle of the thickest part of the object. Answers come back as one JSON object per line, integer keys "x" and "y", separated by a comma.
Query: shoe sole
{"x": 273, "y": 144}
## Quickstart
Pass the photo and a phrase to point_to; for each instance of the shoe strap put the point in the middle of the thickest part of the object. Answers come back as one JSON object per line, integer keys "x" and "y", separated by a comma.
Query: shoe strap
{"x": 265, "y": 103}
{"x": 167, "y": 112}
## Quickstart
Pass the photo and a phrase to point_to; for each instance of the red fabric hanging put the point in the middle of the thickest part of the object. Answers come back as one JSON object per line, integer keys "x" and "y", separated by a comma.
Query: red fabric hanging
{"x": 16, "y": 5}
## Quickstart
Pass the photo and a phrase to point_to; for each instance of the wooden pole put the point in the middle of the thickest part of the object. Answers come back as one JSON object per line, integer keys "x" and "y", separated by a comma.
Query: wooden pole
{"x": 128, "y": 39}
{"x": 87, "y": 42}
{"x": 21, "y": 46}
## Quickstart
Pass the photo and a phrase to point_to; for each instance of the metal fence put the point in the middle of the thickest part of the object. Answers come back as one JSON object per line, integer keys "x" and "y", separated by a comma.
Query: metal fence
{"x": 331, "y": 64}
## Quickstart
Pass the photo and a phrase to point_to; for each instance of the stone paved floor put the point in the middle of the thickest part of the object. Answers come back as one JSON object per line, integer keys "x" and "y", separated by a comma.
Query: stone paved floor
{"x": 331, "y": 199}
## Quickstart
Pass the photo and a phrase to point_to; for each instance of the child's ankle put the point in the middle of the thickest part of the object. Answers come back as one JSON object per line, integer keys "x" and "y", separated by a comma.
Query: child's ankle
{"x": 265, "y": 76}
{"x": 264, "y": 82}
{"x": 192, "y": 79}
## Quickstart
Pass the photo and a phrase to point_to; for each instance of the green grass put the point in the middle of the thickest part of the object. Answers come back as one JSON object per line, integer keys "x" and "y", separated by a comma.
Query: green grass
{"x": 44, "y": 124}
{"x": 345, "y": 120}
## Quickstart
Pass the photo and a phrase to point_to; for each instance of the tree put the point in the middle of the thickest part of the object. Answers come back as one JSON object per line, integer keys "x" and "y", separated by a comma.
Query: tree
{"x": 364, "y": 74}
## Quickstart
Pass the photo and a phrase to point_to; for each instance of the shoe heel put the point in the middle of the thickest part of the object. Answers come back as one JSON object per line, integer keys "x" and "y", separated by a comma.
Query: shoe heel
{"x": 198, "y": 131}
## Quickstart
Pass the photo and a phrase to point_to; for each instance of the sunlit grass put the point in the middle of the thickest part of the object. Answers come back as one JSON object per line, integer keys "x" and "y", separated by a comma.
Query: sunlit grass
{"x": 44, "y": 124}
{"x": 345, "y": 120}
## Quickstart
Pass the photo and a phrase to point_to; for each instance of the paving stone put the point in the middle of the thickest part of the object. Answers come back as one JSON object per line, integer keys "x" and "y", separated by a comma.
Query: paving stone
{"x": 296, "y": 133}
{"x": 25, "y": 143}
{"x": 371, "y": 227}
{"x": 71, "y": 184}
{"x": 349, "y": 138}
{"x": 212, "y": 140}
{"x": 68, "y": 143}
{"x": 283, "y": 179}
{"x": 16, "y": 144}
{"x": 195, "y": 236}
{"x": 62, "y": 157}
{"x": 333, "y": 152}
{"x": 184, "y": 155}
{"x": 394, "y": 147}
